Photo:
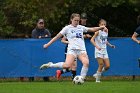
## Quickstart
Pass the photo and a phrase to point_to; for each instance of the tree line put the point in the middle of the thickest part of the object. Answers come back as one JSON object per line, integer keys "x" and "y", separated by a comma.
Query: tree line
{"x": 18, "y": 17}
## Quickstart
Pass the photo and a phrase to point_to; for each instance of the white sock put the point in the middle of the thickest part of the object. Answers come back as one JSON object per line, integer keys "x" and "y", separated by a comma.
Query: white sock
{"x": 64, "y": 70}
{"x": 98, "y": 76}
{"x": 103, "y": 69}
{"x": 57, "y": 65}
{"x": 84, "y": 71}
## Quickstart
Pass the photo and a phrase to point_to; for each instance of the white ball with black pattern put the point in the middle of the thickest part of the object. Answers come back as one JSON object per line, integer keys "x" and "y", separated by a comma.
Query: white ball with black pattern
{"x": 78, "y": 80}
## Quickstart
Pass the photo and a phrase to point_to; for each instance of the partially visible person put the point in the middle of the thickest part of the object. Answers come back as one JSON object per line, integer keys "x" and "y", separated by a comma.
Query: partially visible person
{"x": 137, "y": 31}
{"x": 99, "y": 40}
{"x": 76, "y": 47}
{"x": 83, "y": 19}
{"x": 40, "y": 31}
{"x": 72, "y": 68}
{"x": 83, "y": 22}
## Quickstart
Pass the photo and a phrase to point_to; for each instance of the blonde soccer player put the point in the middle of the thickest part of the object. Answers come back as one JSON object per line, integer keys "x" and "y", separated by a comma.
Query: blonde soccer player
{"x": 76, "y": 46}
{"x": 99, "y": 40}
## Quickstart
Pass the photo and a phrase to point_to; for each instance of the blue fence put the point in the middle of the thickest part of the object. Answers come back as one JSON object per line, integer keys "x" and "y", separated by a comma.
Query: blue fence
{"x": 23, "y": 57}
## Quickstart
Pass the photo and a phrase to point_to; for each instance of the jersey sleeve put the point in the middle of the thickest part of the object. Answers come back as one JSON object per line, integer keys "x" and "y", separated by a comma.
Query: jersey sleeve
{"x": 63, "y": 31}
{"x": 85, "y": 29}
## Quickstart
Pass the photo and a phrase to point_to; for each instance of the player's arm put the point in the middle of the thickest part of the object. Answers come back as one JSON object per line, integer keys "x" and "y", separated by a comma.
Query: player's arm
{"x": 64, "y": 40}
{"x": 94, "y": 29}
{"x": 53, "y": 40}
{"x": 134, "y": 38}
{"x": 92, "y": 40}
{"x": 109, "y": 44}
{"x": 87, "y": 36}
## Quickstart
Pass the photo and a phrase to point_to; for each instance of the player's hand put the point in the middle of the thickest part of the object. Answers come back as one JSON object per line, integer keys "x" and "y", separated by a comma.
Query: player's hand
{"x": 105, "y": 29}
{"x": 88, "y": 36}
{"x": 39, "y": 36}
{"x": 46, "y": 35}
{"x": 98, "y": 48}
{"x": 112, "y": 46}
{"x": 45, "y": 46}
{"x": 138, "y": 42}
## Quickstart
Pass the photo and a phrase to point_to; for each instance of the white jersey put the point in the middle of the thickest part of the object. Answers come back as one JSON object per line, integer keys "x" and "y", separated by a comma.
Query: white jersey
{"x": 75, "y": 36}
{"x": 101, "y": 41}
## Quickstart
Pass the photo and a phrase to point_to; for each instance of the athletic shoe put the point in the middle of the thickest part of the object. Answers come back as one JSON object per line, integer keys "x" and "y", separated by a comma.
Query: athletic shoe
{"x": 95, "y": 75}
{"x": 98, "y": 77}
{"x": 58, "y": 74}
{"x": 45, "y": 65}
{"x": 98, "y": 81}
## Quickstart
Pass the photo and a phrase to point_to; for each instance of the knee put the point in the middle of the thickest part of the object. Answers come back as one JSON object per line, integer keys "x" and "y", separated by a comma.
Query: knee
{"x": 66, "y": 66}
{"x": 73, "y": 66}
{"x": 101, "y": 64}
{"x": 86, "y": 64}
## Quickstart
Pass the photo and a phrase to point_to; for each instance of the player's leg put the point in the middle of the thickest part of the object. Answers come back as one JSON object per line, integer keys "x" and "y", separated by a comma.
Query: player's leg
{"x": 100, "y": 64}
{"x": 65, "y": 65}
{"x": 60, "y": 72}
{"x": 97, "y": 75}
{"x": 99, "y": 58}
{"x": 73, "y": 68}
{"x": 83, "y": 57}
{"x": 69, "y": 56}
{"x": 51, "y": 64}
{"x": 107, "y": 64}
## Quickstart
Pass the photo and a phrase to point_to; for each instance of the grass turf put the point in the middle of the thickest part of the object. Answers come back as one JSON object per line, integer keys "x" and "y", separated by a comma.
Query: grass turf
{"x": 69, "y": 87}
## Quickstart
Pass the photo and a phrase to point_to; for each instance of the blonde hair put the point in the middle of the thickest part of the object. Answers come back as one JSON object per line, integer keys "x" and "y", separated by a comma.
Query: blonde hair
{"x": 102, "y": 20}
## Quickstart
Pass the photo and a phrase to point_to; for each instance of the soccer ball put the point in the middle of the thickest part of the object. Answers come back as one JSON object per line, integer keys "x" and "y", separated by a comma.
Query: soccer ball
{"x": 78, "y": 80}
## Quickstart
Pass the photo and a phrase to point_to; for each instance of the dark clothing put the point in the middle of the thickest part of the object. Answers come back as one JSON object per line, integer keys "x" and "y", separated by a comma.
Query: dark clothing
{"x": 40, "y": 32}
{"x": 138, "y": 30}
{"x": 66, "y": 48}
{"x": 90, "y": 33}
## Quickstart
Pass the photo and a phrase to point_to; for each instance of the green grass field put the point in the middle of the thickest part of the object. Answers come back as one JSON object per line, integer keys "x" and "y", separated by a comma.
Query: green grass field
{"x": 69, "y": 87}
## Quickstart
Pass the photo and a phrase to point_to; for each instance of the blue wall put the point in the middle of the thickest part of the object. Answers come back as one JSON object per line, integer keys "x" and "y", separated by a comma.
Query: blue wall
{"x": 23, "y": 57}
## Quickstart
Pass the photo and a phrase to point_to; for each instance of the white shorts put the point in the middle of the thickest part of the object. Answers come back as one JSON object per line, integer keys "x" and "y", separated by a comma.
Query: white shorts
{"x": 76, "y": 52}
{"x": 99, "y": 55}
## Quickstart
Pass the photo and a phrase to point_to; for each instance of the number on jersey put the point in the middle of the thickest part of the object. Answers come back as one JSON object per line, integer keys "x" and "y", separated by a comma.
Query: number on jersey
{"x": 78, "y": 35}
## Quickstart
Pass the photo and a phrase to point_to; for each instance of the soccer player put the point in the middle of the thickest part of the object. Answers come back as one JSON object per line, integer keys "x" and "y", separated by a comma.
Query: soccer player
{"x": 83, "y": 22}
{"x": 137, "y": 31}
{"x": 76, "y": 45}
{"x": 99, "y": 40}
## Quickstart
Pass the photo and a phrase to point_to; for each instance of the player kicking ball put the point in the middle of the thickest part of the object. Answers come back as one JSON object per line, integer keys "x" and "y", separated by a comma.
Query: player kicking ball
{"x": 76, "y": 47}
